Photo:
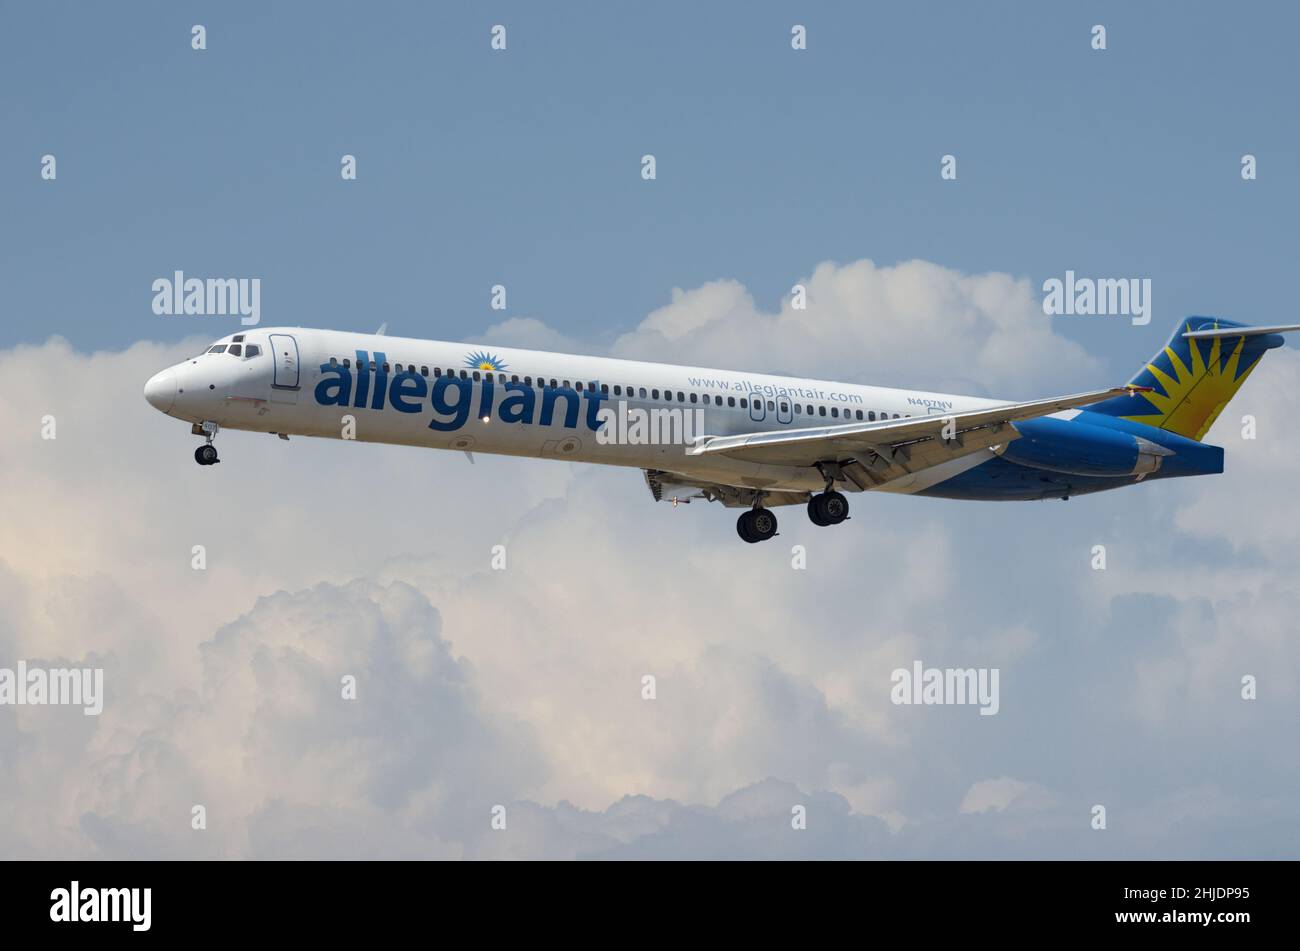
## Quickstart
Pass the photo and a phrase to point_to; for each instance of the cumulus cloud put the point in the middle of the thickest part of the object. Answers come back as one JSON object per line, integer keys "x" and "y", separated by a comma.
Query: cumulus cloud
{"x": 914, "y": 324}
{"x": 1005, "y": 792}
{"x": 523, "y": 687}
{"x": 529, "y": 333}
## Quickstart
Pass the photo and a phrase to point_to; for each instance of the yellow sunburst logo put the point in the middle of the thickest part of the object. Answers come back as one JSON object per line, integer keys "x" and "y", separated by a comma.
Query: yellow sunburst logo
{"x": 482, "y": 360}
{"x": 1192, "y": 389}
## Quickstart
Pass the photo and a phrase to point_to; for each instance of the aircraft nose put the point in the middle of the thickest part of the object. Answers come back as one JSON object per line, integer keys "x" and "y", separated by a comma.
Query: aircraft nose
{"x": 160, "y": 390}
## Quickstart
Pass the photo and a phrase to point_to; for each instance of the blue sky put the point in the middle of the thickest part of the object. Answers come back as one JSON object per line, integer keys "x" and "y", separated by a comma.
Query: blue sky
{"x": 522, "y": 167}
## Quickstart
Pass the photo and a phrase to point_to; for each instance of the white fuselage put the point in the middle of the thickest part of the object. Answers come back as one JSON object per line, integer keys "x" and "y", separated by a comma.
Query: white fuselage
{"x": 472, "y": 398}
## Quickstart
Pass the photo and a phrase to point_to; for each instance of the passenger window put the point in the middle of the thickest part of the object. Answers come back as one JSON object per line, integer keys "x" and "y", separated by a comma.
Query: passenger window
{"x": 333, "y": 360}
{"x": 785, "y": 407}
{"x": 717, "y": 401}
{"x": 347, "y": 364}
{"x": 798, "y": 410}
{"x": 871, "y": 415}
{"x": 385, "y": 366}
{"x": 372, "y": 364}
{"x": 771, "y": 405}
{"x": 821, "y": 410}
{"x": 744, "y": 403}
{"x": 604, "y": 389}
{"x": 655, "y": 394}
{"x": 695, "y": 398}
{"x": 424, "y": 371}
{"x": 731, "y": 401}
{"x": 618, "y": 389}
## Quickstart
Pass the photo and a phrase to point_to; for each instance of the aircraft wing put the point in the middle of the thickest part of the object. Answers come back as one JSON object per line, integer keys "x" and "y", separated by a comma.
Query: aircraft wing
{"x": 871, "y": 454}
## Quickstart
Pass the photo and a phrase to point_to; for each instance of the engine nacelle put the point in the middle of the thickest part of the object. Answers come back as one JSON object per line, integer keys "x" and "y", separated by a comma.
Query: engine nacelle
{"x": 1073, "y": 447}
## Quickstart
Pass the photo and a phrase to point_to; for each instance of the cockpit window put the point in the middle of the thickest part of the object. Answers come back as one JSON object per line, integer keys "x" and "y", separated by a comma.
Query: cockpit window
{"x": 219, "y": 348}
{"x": 252, "y": 350}
{"x": 236, "y": 350}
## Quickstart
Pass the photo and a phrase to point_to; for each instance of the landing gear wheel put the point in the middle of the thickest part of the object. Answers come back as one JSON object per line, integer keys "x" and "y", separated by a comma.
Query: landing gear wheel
{"x": 829, "y": 508}
{"x": 756, "y": 525}
{"x": 206, "y": 455}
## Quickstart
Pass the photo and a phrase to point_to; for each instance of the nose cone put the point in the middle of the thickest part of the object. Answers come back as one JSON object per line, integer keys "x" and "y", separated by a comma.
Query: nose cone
{"x": 160, "y": 391}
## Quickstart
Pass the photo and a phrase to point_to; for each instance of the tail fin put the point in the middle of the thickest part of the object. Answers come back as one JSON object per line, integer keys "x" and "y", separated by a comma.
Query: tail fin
{"x": 1193, "y": 377}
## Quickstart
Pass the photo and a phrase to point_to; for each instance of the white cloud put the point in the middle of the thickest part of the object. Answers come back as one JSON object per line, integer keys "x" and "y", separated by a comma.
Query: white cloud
{"x": 529, "y": 333}
{"x": 1006, "y": 792}
{"x": 522, "y": 687}
{"x": 913, "y": 324}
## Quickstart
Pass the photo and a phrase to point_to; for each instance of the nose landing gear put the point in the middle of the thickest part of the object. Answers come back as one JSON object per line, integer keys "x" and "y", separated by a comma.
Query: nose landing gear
{"x": 206, "y": 455}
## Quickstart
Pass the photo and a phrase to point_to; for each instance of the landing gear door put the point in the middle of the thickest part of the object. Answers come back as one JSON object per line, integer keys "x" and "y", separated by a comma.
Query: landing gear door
{"x": 284, "y": 350}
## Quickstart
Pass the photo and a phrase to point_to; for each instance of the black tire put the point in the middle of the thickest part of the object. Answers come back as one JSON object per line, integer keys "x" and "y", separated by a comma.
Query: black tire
{"x": 814, "y": 512}
{"x": 205, "y": 455}
{"x": 762, "y": 524}
{"x": 834, "y": 507}
{"x": 742, "y": 528}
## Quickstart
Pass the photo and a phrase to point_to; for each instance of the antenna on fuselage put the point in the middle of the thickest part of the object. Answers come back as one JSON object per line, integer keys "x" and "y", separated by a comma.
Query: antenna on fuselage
{"x": 382, "y": 329}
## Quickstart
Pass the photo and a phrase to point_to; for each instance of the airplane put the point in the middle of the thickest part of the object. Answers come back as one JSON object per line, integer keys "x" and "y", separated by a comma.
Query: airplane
{"x": 747, "y": 440}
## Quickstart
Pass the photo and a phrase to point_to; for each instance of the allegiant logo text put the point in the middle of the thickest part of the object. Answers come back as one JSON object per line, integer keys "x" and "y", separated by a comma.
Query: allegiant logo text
{"x": 452, "y": 397}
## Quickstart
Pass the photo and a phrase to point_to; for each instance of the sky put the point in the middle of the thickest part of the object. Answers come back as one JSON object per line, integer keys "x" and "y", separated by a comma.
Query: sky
{"x": 522, "y": 688}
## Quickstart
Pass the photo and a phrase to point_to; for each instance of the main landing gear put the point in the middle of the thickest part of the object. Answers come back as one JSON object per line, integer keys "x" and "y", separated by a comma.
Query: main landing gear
{"x": 756, "y": 525}
{"x": 828, "y": 508}
{"x": 206, "y": 455}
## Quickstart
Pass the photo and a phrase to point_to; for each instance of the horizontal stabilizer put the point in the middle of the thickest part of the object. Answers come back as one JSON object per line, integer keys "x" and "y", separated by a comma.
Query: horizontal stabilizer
{"x": 1241, "y": 331}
